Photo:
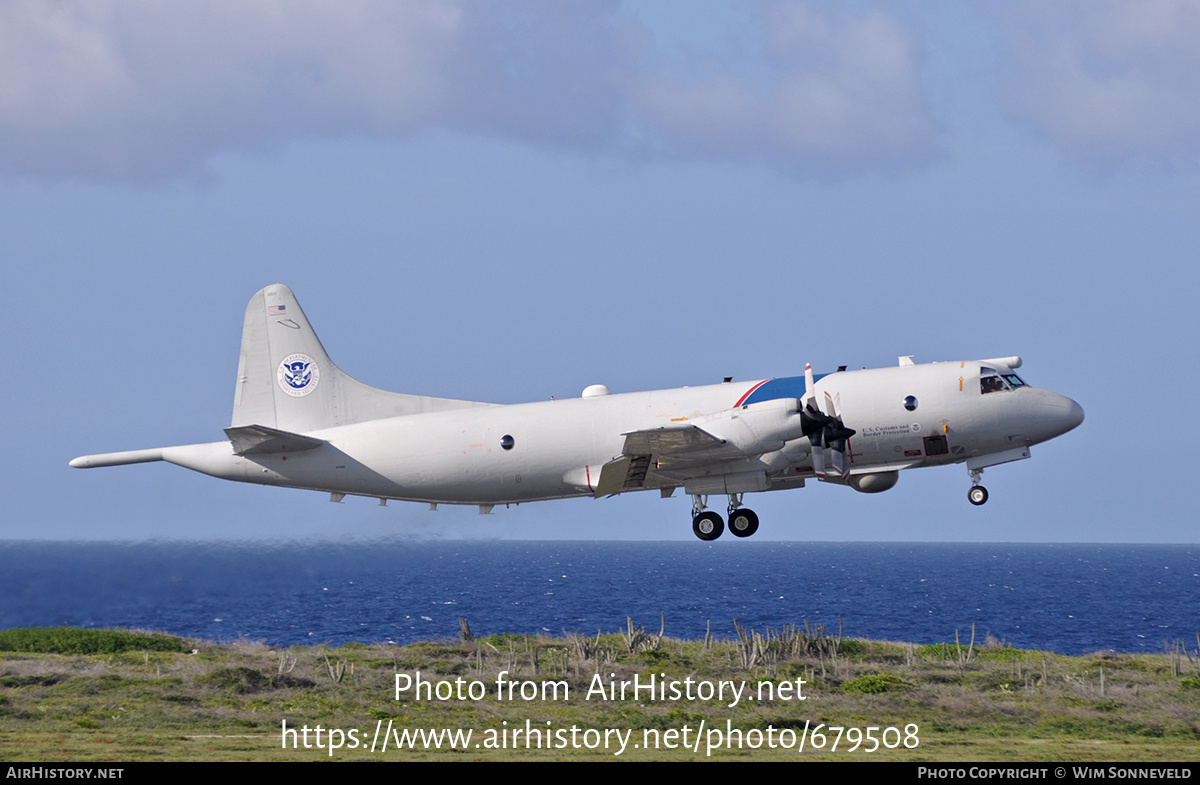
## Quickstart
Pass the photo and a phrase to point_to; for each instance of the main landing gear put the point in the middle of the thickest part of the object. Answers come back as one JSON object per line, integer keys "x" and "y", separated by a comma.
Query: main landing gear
{"x": 743, "y": 522}
{"x": 978, "y": 494}
{"x": 708, "y": 526}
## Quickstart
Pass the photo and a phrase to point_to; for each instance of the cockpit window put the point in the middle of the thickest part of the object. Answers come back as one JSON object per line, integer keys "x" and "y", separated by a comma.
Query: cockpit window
{"x": 993, "y": 381}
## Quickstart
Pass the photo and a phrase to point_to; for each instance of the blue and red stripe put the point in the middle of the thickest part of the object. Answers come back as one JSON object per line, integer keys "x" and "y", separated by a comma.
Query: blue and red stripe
{"x": 770, "y": 389}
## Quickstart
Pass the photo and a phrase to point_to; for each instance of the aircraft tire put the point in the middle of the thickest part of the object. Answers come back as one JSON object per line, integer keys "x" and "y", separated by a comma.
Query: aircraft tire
{"x": 743, "y": 522}
{"x": 708, "y": 526}
{"x": 977, "y": 495}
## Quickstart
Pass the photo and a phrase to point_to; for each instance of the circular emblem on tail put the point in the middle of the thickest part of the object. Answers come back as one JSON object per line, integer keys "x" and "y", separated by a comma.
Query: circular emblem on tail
{"x": 298, "y": 375}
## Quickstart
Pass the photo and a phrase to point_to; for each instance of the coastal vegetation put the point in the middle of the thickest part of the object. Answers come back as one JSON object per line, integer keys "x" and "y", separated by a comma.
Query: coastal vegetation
{"x": 116, "y": 695}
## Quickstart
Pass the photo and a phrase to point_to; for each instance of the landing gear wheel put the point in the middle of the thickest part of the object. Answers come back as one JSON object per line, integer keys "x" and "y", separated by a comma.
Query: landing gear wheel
{"x": 977, "y": 495}
{"x": 743, "y": 522}
{"x": 708, "y": 526}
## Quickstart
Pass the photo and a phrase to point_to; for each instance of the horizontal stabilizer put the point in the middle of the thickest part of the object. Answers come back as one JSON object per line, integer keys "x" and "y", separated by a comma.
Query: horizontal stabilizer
{"x": 261, "y": 440}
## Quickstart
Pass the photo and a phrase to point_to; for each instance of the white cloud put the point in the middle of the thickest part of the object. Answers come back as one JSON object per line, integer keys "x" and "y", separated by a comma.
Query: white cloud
{"x": 834, "y": 91}
{"x": 1109, "y": 80}
{"x": 114, "y": 90}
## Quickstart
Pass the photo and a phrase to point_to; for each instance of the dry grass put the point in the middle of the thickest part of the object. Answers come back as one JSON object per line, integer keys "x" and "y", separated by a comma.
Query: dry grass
{"x": 227, "y": 701}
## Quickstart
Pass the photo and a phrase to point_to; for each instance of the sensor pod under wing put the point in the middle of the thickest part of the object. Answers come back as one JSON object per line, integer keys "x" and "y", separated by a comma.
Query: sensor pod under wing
{"x": 300, "y": 422}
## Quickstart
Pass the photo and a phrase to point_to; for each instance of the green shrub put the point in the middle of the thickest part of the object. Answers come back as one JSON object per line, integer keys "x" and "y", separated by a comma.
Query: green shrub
{"x": 936, "y": 651}
{"x": 74, "y": 640}
{"x": 874, "y": 683}
{"x": 850, "y": 647}
{"x": 41, "y": 680}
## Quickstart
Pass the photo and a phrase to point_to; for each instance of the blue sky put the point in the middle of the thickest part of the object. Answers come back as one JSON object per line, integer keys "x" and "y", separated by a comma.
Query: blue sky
{"x": 508, "y": 201}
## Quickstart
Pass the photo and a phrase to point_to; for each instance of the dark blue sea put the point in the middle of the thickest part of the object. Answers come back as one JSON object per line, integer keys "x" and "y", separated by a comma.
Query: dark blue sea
{"x": 1066, "y": 598}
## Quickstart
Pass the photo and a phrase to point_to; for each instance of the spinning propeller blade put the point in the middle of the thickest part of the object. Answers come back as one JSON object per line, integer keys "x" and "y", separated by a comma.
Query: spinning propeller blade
{"x": 825, "y": 430}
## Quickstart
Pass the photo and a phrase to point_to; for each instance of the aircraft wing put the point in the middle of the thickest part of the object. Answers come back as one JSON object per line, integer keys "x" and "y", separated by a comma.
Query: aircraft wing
{"x": 261, "y": 440}
{"x": 662, "y": 442}
{"x": 648, "y": 451}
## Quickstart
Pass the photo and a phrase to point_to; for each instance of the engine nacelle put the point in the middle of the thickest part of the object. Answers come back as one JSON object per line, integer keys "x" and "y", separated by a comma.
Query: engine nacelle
{"x": 877, "y": 482}
{"x": 756, "y": 428}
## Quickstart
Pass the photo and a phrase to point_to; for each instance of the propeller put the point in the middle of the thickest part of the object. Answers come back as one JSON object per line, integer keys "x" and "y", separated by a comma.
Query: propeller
{"x": 825, "y": 429}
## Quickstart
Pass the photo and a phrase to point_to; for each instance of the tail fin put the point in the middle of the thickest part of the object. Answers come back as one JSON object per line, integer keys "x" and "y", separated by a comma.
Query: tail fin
{"x": 287, "y": 381}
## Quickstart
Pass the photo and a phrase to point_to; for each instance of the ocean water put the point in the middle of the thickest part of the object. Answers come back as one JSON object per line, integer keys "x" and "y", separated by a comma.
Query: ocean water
{"x": 1066, "y": 598}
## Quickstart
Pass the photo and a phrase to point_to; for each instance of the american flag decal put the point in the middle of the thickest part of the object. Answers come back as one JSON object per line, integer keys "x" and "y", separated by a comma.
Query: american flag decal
{"x": 276, "y": 310}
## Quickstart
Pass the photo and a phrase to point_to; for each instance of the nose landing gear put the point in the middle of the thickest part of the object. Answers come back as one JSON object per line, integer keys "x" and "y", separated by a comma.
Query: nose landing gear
{"x": 978, "y": 494}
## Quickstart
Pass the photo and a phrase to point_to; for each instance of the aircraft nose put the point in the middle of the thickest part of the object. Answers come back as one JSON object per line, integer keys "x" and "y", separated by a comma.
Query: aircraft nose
{"x": 1074, "y": 415}
{"x": 1060, "y": 414}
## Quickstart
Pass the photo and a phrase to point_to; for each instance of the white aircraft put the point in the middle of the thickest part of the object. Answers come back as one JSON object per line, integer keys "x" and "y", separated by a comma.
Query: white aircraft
{"x": 300, "y": 422}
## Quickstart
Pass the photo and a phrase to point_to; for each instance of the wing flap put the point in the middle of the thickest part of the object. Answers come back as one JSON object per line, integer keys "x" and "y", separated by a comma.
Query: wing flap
{"x": 612, "y": 476}
{"x": 622, "y": 474}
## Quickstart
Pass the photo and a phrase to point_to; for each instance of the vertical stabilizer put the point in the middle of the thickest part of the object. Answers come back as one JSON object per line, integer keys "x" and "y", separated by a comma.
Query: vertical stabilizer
{"x": 286, "y": 380}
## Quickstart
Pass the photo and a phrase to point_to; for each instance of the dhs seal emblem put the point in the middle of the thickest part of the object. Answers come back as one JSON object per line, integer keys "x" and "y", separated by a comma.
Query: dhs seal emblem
{"x": 298, "y": 375}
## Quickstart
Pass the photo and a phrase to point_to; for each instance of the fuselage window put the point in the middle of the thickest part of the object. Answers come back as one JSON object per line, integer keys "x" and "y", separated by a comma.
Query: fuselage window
{"x": 910, "y": 403}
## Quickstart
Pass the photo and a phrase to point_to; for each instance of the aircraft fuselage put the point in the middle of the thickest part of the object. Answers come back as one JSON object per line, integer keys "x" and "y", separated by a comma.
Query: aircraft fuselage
{"x": 456, "y": 456}
{"x": 300, "y": 422}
